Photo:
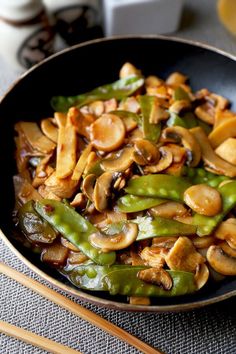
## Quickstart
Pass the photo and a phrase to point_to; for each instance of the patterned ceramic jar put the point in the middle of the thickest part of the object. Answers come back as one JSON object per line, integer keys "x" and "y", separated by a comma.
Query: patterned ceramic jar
{"x": 26, "y": 36}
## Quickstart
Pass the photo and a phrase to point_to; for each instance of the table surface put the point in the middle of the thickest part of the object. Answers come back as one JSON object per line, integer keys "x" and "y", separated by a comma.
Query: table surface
{"x": 211, "y": 330}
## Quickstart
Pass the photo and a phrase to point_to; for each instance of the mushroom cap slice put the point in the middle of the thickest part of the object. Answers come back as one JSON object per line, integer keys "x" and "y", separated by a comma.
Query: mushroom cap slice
{"x": 187, "y": 139}
{"x": 164, "y": 162}
{"x": 227, "y": 231}
{"x": 201, "y": 276}
{"x": 145, "y": 153}
{"x": 220, "y": 261}
{"x": 101, "y": 191}
{"x": 155, "y": 276}
{"x": 88, "y": 186}
{"x": 115, "y": 242}
{"x": 122, "y": 161}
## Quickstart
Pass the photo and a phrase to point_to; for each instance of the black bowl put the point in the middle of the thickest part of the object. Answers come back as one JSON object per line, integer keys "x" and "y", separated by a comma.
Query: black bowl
{"x": 80, "y": 69}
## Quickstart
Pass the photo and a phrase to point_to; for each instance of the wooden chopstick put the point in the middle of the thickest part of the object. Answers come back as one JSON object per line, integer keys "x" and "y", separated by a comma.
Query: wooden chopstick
{"x": 77, "y": 309}
{"x": 35, "y": 339}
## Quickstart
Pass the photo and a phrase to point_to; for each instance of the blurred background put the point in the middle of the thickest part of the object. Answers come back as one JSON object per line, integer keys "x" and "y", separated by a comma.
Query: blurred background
{"x": 31, "y": 30}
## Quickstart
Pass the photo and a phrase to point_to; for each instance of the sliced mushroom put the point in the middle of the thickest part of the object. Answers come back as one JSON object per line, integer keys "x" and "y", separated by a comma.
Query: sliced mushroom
{"x": 222, "y": 132}
{"x": 202, "y": 275}
{"x": 227, "y": 249}
{"x": 154, "y": 256}
{"x": 88, "y": 186}
{"x": 164, "y": 162}
{"x": 145, "y": 152}
{"x": 128, "y": 69}
{"x": 178, "y": 152}
{"x": 227, "y": 231}
{"x": 220, "y": 101}
{"x": 155, "y": 276}
{"x": 184, "y": 136}
{"x": 203, "y": 242}
{"x": 115, "y": 242}
{"x": 220, "y": 261}
{"x": 107, "y": 133}
{"x": 206, "y": 113}
{"x": 102, "y": 191}
{"x": 225, "y": 149}
{"x": 203, "y": 199}
{"x": 123, "y": 159}
{"x": 210, "y": 158}
{"x": 169, "y": 210}
{"x": 183, "y": 256}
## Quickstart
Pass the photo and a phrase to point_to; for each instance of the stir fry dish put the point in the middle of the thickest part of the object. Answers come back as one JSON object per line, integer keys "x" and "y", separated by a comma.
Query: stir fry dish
{"x": 130, "y": 188}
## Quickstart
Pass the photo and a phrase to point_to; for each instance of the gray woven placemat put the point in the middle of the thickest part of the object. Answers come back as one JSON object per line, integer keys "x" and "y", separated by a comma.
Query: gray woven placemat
{"x": 209, "y": 330}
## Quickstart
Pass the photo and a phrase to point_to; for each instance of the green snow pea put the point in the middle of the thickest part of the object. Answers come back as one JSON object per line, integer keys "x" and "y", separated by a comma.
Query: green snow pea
{"x": 159, "y": 186}
{"x": 187, "y": 121}
{"x": 174, "y": 120}
{"x": 158, "y": 226}
{"x": 151, "y": 131}
{"x": 73, "y": 227}
{"x": 35, "y": 228}
{"x": 123, "y": 280}
{"x": 150, "y": 227}
{"x": 132, "y": 203}
{"x": 206, "y": 224}
{"x": 118, "y": 89}
{"x": 180, "y": 94}
{"x": 199, "y": 175}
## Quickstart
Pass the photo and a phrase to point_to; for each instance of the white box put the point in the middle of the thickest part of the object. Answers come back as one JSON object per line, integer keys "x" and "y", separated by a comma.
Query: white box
{"x": 141, "y": 16}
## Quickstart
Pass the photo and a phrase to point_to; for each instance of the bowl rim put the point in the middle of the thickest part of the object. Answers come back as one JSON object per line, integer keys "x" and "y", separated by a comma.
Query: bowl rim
{"x": 77, "y": 292}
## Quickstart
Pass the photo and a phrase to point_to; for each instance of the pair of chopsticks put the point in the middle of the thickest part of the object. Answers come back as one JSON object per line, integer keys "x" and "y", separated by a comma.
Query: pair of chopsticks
{"x": 71, "y": 306}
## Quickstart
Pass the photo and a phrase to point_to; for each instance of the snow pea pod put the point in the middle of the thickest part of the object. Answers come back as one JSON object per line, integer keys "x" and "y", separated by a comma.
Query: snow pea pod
{"x": 132, "y": 203}
{"x": 206, "y": 224}
{"x": 158, "y": 226}
{"x": 151, "y": 131}
{"x": 159, "y": 186}
{"x": 74, "y": 228}
{"x": 123, "y": 280}
{"x": 199, "y": 175}
{"x": 174, "y": 120}
{"x": 118, "y": 89}
{"x": 180, "y": 94}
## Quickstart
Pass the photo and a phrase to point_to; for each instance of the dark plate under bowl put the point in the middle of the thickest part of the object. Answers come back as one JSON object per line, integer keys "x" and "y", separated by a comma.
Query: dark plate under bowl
{"x": 78, "y": 70}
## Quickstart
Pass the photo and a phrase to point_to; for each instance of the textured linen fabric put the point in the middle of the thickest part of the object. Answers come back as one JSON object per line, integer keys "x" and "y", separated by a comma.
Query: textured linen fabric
{"x": 211, "y": 330}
